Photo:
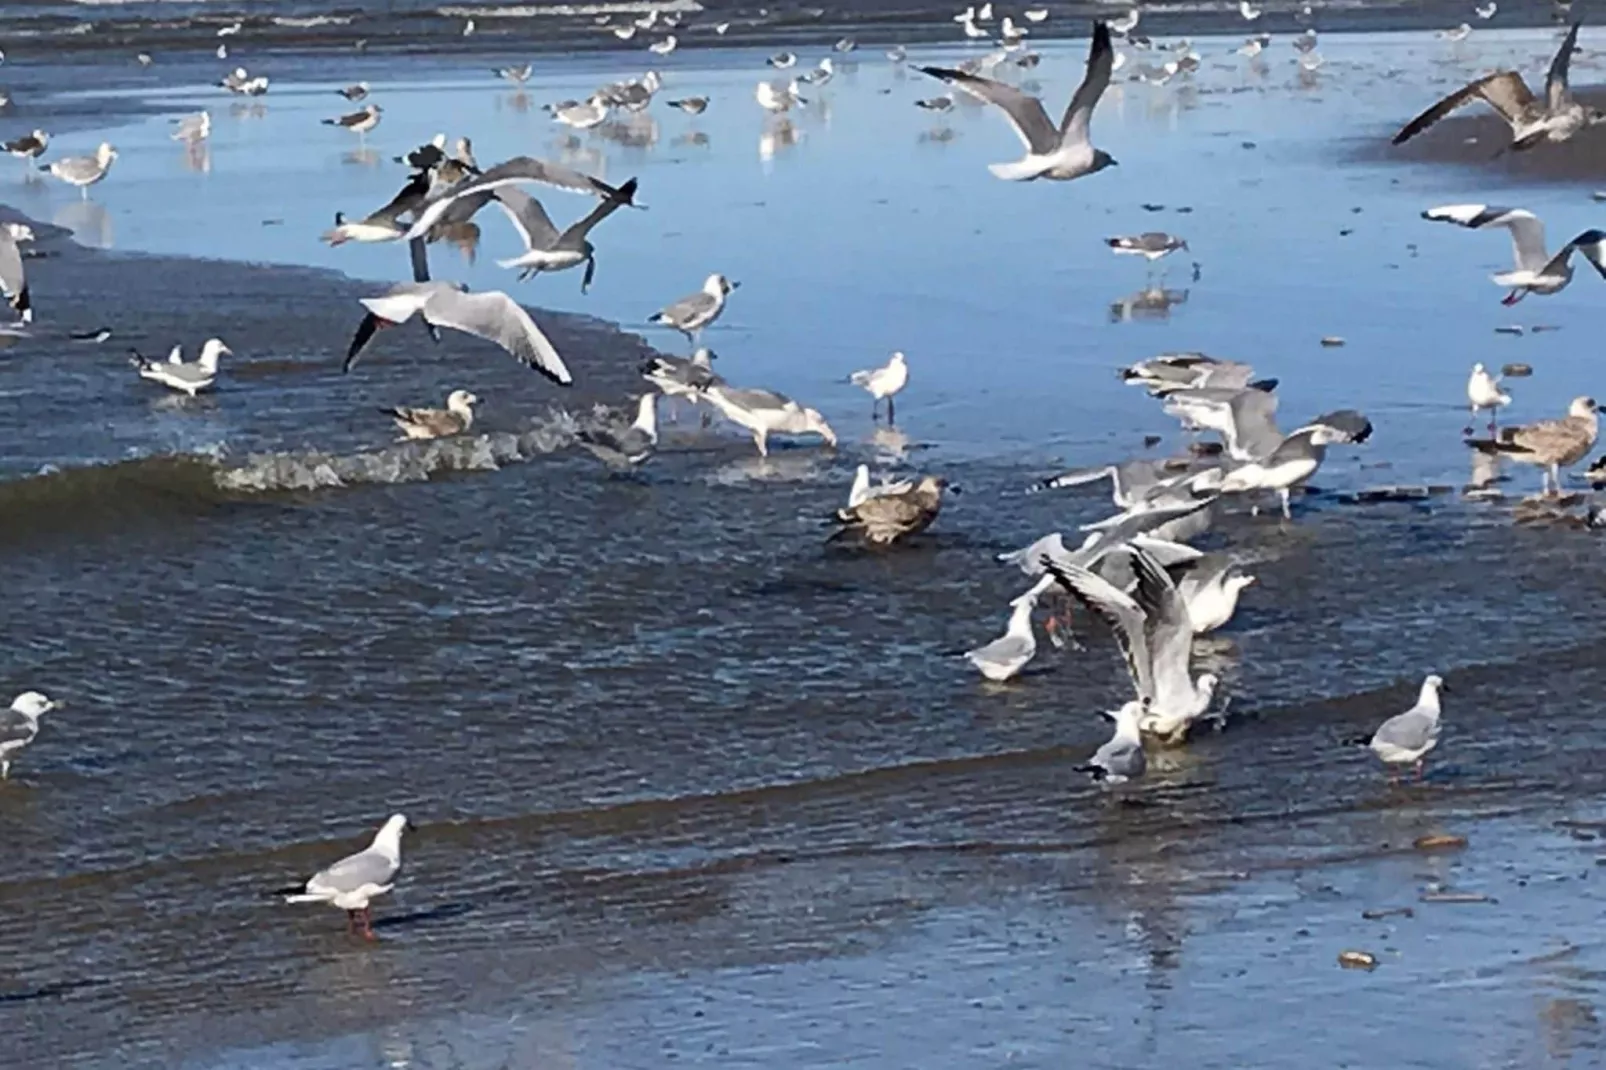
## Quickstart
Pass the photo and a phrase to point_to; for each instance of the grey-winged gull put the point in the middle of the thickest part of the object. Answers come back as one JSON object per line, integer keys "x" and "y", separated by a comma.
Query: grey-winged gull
{"x": 354, "y": 881}
{"x": 1406, "y": 738}
{"x": 493, "y": 316}
{"x": 19, "y": 725}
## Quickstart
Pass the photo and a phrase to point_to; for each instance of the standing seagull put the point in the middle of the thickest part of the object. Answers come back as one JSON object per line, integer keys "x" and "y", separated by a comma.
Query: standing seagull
{"x": 28, "y": 146}
{"x": 1407, "y": 737}
{"x": 192, "y": 128}
{"x": 493, "y": 316}
{"x": 1483, "y": 392}
{"x": 83, "y": 171}
{"x": 1536, "y": 271}
{"x": 13, "y": 279}
{"x": 765, "y": 413}
{"x": 1007, "y": 655}
{"x": 19, "y": 725}
{"x": 1556, "y": 118}
{"x": 355, "y": 92}
{"x": 358, "y": 122}
{"x": 179, "y": 375}
{"x": 1151, "y": 245}
{"x": 1156, "y": 635}
{"x": 883, "y": 382}
{"x": 1553, "y": 444}
{"x": 1064, "y": 152}
{"x": 625, "y": 447}
{"x": 692, "y": 313}
{"x": 356, "y": 879}
{"x": 545, "y": 247}
{"x": 1121, "y": 758}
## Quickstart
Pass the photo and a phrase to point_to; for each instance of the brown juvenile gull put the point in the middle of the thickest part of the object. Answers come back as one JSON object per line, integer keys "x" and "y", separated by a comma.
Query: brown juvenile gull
{"x": 1552, "y": 443}
{"x": 356, "y": 879}
{"x": 885, "y": 518}
{"x": 454, "y": 419}
{"x": 1555, "y": 118}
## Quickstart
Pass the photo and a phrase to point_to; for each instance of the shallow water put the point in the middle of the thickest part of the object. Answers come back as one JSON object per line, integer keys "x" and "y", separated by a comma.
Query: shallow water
{"x": 692, "y": 786}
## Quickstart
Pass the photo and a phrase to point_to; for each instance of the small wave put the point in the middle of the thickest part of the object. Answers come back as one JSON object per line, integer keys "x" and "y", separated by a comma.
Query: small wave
{"x": 526, "y": 11}
{"x": 308, "y": 22}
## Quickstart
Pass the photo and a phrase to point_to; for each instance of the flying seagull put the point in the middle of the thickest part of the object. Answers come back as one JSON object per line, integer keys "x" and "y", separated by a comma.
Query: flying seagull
{"x": 545, "y": 247}
{"x": 518, "y": 170}
{"x": 356, "y": 879}
{"x": 1064, "y": 152}
{"x": 1555, "y": 118}
{"x": 1536, "y": 270}
{"x": 493, "y": 316}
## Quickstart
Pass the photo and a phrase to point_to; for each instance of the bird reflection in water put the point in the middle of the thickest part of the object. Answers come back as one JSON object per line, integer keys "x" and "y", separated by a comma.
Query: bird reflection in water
{"x": 781, "y": 134}
{"x": 244, "y": 110}
{"x": 634, "y": 132}
{"x": 1149, "y": 303}
{"x": 692, "y": 137}
{"x": 198, "y": 157}
{"x": 89, "y": 222}
{"x": 891, "y": 442}
{"x": 361, "y": 158}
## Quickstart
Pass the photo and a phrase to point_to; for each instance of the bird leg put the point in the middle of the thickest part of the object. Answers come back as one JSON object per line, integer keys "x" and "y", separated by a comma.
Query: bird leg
{"x": 763, "y": 446}
{"x": 367, "y": 915}
{"x": 351, "y": 923}
{"x": 5, "y": 770}
{"x": 1284, "y": 494}
{"x": 1419, "y": 764}
{"x": 890, "y": 417}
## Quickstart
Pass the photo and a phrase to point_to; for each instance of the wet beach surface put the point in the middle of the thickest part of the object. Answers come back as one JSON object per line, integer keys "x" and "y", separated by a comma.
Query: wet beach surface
{"x": 691, "y": 786}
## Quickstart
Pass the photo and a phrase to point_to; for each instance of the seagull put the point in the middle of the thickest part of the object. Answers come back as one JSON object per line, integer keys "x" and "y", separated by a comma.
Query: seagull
{"x": 682, "y": 377}
{"x": 775, "y": 97}
{"x": 627, "y": 446}
{"x": 1062, "y": 152}
{"x": 1156, "y": 634}
{"x": 1121, "y": 758}
{"x": 1294, "y": 460}
{"x": 1483, "y": 392}
{"x": 1553, "y": 444}
{"x": 175, "y": 372}
{"x": 192, "y": 128}
{"x": 690, "y": 105}
{"x": 1035, "y": 14}
{"x": 13, "y": 279}
{"x": 359, "y": 122}
{"x": 1305, "y": 42}
{"x": 1248, "y": 11}
{"x": 883, "y": 519}
{"x": 83, "y": 171}
{"x": 1170, "y": 372}
{"x": 28, "y": 146}
{"x": 1406, "y": 738}
{"x": 493, "y": 316}
{"x": 863, "y": 490}
{"x": 883, "y": 382}
{"x": 691, "y": 314}
{"x": 937, "y": 104}
{"x": 625, "y": 33}
{"x": 19, "y": 725}
{"x": 1487, "y": 11}
{"x": 845, "y": 44}
{"x": 1210, "y": 586}
{"x": 1555, "y": 118}
{"x": 356, "y": 879}
{"x": 454, "y": 419}
{"x": 1152, "y": 245}
{"x": 1456, "y": 34}
{"x": 355, "y": 92}
{"x": 513, "y": 172}
{"x": 1008, "y": 654}
{"x": 782, "y": 60}
{"x": 545, "y": 247}
{"x": 764, "y": 412}
{"x": 664, "y": 47}
{"x": 516, "y": 75}
{"x": 1536, "y": 271}
{"x": 581, "y": 115}
{"x": 1127, "y": 23}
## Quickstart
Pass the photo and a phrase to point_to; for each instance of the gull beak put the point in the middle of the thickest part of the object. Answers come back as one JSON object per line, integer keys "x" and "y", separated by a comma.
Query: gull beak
{"x": 1445, "y": 689}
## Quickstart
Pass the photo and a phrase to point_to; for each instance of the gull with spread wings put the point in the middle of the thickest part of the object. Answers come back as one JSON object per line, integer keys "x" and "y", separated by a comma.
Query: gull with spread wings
{"x": 1555, "y": 118}
{"x": 493, "y": 316}
{"x": 1063, "y": 152}
{"x": 1536, "y": 271}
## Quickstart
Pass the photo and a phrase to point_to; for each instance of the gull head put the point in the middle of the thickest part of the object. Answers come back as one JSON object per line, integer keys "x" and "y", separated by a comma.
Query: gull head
{"x": 718, "y": 285}
{"x": 1583, "y": 407}
{"x": 1239, "y": 581}
{"x": 1101, "y": 160}
{"x": 105, "y": 154}
{"x": 813, "y": 421}
{"x": 211, "y": 351}
{"x": 20, "y": 232}
{"x": 1206, "y": 685}
{"x": 1592, "y": 116}
{"x": 461, "y": 401}
{"x": 31, "y": 704}
{"x": 1428, "y": 698}
{"x": 704, "y": 357}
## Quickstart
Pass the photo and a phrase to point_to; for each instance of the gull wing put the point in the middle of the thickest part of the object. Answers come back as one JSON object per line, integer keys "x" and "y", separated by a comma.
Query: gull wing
{"x": 528, "y": 217}
{"x": 12, "y": 277}
{"x": 1411, "y": 730}
{"x": 498, "y": 318}
{"x": 605, "y": 208}
{"x": 1252, "y": 419}
{"x": 1527, "y": 230}
{"x": 512, "y": 172}
{"x": 1168, "y": 632}
{"x": 687, "y": 308}
{"x": 1004, "y": 648}
{"x": 1100, "y": 65}
{"x": 1122, "y": 613}
{"x": 1025, "y": 112}
{"x": 353, "y": 872}
{"x": 1505, "y": 91}
{"x": 1589, "y": 243}
{"x": 1557, "y": 93}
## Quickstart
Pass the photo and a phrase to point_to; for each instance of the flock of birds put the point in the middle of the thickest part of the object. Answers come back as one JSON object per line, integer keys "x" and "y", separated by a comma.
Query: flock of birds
{"x": 1136, "y": 569}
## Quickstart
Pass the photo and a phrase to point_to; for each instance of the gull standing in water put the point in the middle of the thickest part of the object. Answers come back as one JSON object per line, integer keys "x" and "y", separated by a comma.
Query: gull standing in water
{"x": 1406, "y": 738}
{"x": 13, "y": 279}
{"x": 355, "y": 880}
{"x": 454, "y": 419}
{"x": 628, "y": 446}
{"x": 1152, "y": 245}
{"x": 1483, "y": 392}
{"x": 192, "y": 128}
{"x": 1121, "y": 758}
{"x": 883, "y": 382}
{"x": 1555, "y": 118}
{"x": 1007, "y": 655}
{"x": 19, "y": 725}
{"x": 1156, "y": 635}
{"x": 494, "y": 316}
{"x": 545, "y": 247}
{"x": 883, "y": 519}
{"x": 28, "y": 147}
{"x": 691, "y": 314}
{"x": 1553, "y": 444}
{"x": 83, "y": 171}
{"x": 176, "y": 373}
{"x": 1536, "y": 271}
{"x": 582, "y": 115}
{"x": 358, "y": 122}
{"x": 778, "y": 97}
{"x": 765, "y": 413}
{"x": 1296, "y": 458}
{"x": 1064, "y": 152}
{"x": 355, "y": 92}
